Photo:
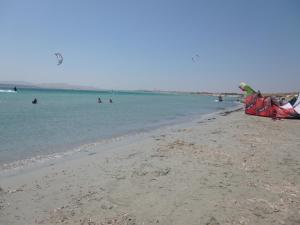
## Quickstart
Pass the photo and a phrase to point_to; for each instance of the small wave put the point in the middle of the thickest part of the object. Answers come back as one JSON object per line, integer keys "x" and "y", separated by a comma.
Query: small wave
{"x": 7, "y": 91}
{"x": 40, "y": 160}
{"x": 34, "y": 161}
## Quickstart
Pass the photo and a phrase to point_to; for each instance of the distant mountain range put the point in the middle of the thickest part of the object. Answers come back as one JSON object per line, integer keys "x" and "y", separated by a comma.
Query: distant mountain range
{"x": 22, "y": 84}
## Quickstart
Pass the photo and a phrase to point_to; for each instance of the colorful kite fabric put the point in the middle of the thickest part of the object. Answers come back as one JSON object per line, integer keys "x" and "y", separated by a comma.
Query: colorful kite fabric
{"x": 258, "y": 105}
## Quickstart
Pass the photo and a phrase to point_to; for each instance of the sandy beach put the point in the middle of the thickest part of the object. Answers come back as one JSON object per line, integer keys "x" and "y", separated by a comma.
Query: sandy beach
{"x": 228, "y": 168}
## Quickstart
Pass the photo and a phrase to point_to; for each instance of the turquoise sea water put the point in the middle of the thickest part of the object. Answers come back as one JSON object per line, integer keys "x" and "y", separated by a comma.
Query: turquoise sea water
{"x": 64, "y": 119}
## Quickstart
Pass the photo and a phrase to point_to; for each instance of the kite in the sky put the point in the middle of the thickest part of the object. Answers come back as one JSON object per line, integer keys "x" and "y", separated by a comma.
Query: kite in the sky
{"x": 59, "y": 57}
{"x": 196, "y": 58}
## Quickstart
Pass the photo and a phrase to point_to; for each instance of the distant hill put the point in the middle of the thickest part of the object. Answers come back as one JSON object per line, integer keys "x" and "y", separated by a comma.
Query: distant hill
{"x": 21, "y": 84}
{"x": 218, "y": 93}
{"x": 285, "y": 94}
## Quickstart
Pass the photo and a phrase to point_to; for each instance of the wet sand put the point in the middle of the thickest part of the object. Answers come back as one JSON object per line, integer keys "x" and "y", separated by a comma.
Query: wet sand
{"x": 225, "y": 169}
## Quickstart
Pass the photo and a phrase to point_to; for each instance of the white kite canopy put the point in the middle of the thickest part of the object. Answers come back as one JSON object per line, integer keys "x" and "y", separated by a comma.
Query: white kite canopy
{"x": 286, "y": 106}
{"x": 296, "y": 105}
{"x": 297, "y": 109}
{"x": 59, "y": 57}
{"x": 297, "y": 102}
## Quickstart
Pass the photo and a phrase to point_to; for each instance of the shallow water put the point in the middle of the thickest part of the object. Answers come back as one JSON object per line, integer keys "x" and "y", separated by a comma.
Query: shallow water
{"x": 64, "y": 119}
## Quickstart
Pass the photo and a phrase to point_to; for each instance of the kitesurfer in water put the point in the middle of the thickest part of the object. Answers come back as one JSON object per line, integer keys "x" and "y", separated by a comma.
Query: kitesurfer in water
{"x": 34, "y": 101}
{"x": 15, "y": 89}
{"x": 99, "y": 100}
{"x": 110, "y": 100}
{"x": 220, "y": 99}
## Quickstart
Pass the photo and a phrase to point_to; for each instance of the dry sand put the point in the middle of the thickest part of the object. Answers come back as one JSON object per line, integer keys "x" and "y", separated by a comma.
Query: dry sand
{"x": 225, "y": 169}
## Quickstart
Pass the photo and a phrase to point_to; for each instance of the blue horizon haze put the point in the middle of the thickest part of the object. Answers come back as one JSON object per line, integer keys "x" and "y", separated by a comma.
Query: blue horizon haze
{"x": 133, "y": 45}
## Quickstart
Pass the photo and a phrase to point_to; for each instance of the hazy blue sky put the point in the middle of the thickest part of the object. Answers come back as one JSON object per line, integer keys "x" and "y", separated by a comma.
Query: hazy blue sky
{"x": 139, "y": 44}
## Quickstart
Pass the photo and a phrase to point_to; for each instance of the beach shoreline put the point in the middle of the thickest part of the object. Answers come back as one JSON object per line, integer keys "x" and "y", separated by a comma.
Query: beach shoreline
{"x": 11, "y": 168}
{"x": 64, "y": 121}
{"x": 225, "y": 168}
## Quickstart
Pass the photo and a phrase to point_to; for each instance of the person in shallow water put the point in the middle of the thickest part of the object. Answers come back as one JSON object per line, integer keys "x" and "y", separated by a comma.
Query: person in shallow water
{"x": 110, "y": 100}
{"x": 15, "y": 89}
{"x": 99, "y": 100}
{"x": 34, "y": 101}
{"x": 220, "y": 99}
